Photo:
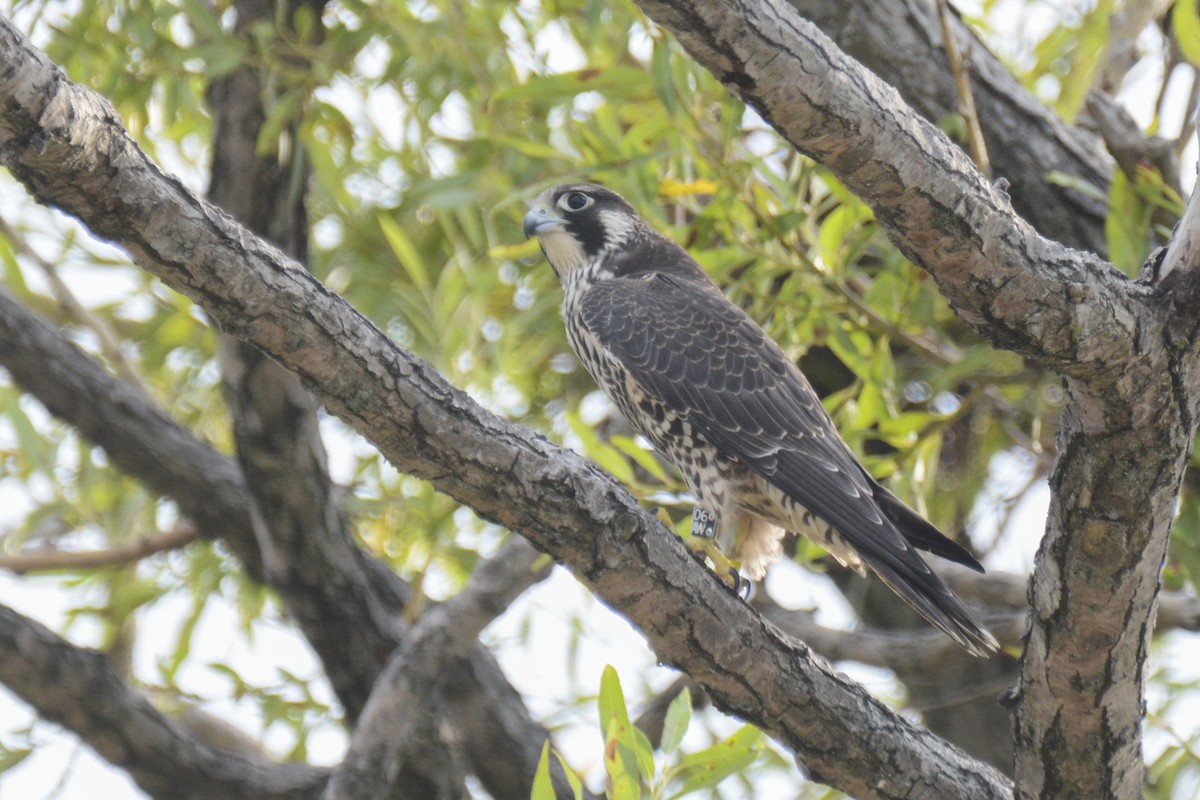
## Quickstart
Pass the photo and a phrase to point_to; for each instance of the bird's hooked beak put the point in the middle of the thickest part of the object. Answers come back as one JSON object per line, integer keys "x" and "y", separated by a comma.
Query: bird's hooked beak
{"x": 539, "y": 219}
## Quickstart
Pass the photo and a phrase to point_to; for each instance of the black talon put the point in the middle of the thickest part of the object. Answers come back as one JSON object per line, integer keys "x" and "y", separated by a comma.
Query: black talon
{"x": 740, "y": 585}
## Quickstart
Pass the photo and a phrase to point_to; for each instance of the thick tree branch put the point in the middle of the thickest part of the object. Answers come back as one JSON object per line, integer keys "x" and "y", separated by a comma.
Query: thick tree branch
{"x": 301, "y": 523}
{"x": 1023, "y": 292}
{"x": 136, "y": 434}
{"x": 1027, "y": 142}
{"x": 80, "y": 690}
{"x": 1130, "y": 372}
{"x": 501, "y": 739}
{"x": 70, "y": 151}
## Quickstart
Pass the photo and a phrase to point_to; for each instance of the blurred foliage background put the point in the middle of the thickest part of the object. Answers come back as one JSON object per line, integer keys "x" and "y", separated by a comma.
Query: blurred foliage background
{"x": 429, "y": 124}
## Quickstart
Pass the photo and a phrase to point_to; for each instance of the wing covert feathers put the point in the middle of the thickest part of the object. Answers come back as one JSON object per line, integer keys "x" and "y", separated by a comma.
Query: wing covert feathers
{"x": 691, "y": 348}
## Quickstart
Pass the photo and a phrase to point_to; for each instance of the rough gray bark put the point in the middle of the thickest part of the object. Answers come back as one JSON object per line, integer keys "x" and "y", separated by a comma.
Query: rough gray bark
{"x": 298, "y": 517}
{"x": 1127, "y": 351}
{"x": 1026, "y": 141}
{"x": 80, "y": 690}
{"x": 137, "y": 434}
{"x": 501, "y": 741}
{"x": 69, "y": 151}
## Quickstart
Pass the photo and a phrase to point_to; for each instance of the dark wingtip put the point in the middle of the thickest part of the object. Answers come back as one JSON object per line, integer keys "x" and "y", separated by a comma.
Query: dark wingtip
{"x": 921, "y": 533}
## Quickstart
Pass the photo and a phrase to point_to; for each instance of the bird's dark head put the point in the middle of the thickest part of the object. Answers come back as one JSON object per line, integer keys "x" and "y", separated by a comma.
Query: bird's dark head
{"x": 577, "y": 223}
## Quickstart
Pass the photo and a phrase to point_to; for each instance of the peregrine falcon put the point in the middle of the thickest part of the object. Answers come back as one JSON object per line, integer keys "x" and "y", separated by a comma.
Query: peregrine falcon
{"x": 719, "y": 399}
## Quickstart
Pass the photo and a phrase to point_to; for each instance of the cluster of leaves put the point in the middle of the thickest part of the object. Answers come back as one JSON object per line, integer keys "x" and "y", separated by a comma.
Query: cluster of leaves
{"x": 630, "y": 766}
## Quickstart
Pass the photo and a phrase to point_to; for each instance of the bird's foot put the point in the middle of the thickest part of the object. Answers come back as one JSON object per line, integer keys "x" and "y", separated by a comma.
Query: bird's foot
{"x": 705, "y": 550}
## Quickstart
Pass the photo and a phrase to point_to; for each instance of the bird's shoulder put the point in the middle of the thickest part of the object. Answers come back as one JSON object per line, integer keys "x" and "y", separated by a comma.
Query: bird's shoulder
{"x": 667, "y": 316}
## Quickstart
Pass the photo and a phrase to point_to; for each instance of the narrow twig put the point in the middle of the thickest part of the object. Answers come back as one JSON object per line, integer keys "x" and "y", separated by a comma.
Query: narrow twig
{"x": 962, "y": 87}
{"x": 122, "y": 553}
{"x": 1125, "y": 26}
{"x": 1187, "y": 129}
{"x": 110, "y": 342}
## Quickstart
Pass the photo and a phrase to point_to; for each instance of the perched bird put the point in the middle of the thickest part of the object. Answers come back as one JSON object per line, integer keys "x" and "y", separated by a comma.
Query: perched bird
{"x": 719, "y": 398}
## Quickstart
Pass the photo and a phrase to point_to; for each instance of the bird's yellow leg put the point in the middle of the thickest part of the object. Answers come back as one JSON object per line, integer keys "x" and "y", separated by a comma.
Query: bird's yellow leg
{"x": 703, "y": 544}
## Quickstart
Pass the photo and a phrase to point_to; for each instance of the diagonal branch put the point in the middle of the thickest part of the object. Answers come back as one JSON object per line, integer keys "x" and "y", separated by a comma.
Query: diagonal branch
{"x": 70, "y": 150}
{"x": 358, "y": 590}
{"x": 1028, "y": 144}
{"x": 80, "y": 690}
{"x": 137, "y": 435}
{"x": 1068, "y": 310}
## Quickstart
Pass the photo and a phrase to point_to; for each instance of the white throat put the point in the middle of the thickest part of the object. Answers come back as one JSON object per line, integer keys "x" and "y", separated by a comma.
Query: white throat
{"x": 563, "y": 252}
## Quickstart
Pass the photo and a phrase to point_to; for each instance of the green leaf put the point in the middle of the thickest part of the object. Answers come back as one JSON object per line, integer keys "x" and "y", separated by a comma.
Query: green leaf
{"x": 854, "y": 347}
{"x": 13, "y": 277}
{"x": 325, "y": 168}
{"x": 405, "y": 251}
{"x": 11, "y": 758}
{"x": 1127, "y": 225}
{"x": 901, "y": 430}
{"x": 620, "y": 765}
{"x": 664, "y": 81}
{"x": 869, "y": 409}
{"x": 709, "y": 767}
{"x": 202, "y": 20}
{"x": 643, "y": 751}
{"x": 572, "y": 778}
{"x": 679, "y": 715}
{"x": 183, "y": 641}
{"x": 543, "y": 787}
{"x": 613, "y": 82}
{"x": 34, "y": 449}
{"x": 612, "y": 699}
{"x": 1185, "y": 22}
{"x": 1089, "y": 47}
{"x": 628, "y": 756}
{"x": 835, "y": 231}
{"x": 524, "y": 146}
{"x": 604, "y": 454}
{"x": 1185, "y": 539}
{"x": 644, "y": 458}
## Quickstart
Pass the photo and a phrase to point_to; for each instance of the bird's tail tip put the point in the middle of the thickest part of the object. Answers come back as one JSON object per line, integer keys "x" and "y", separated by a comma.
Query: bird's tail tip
{"x": 930, "y": 597}
{"x": 976, "y": 640}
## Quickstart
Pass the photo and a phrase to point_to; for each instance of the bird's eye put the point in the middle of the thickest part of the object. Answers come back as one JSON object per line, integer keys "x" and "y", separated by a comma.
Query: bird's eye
{"x": 575, "y": 201}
